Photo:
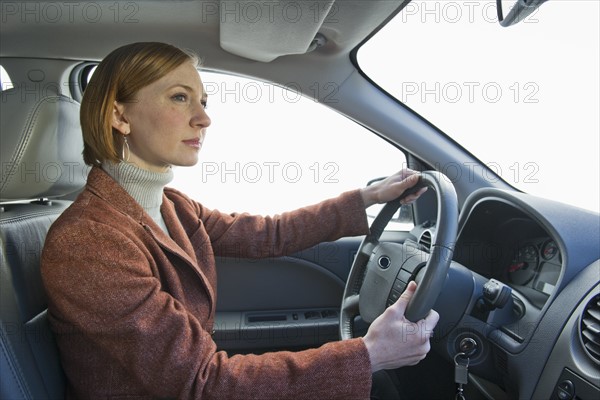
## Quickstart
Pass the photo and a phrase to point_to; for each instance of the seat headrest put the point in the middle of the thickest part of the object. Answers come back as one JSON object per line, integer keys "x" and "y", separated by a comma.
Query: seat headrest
{"x": 40, "y": 146}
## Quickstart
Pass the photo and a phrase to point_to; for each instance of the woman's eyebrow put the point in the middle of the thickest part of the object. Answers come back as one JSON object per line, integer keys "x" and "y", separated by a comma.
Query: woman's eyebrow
{"x": 186, "y": 87}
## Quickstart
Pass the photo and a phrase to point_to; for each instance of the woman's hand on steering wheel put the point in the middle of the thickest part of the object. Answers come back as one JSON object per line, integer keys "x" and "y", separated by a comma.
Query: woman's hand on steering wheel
{"x": 393, "y": 341}
{"x": 392, "y": 188}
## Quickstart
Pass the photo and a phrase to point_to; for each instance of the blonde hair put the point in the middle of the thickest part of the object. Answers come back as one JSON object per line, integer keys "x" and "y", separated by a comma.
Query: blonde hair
{"x": 119, "y": 77}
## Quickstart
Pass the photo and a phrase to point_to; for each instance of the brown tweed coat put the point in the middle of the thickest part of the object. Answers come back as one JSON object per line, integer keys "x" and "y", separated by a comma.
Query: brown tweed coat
{"x": 133, "y": 308}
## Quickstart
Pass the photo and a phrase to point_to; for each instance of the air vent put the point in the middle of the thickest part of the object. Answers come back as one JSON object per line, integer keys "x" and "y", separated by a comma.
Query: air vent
{"x": 425, "y": 240}
{"x": 590, "y": 329}
{"x": 501, "y": 361}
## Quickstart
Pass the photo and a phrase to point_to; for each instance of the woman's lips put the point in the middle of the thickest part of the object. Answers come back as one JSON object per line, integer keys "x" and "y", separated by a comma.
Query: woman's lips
{"x": 196, "y": 143}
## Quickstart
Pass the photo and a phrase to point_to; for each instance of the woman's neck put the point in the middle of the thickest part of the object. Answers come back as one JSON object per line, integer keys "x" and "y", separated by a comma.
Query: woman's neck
{"x": 144, "y": 186}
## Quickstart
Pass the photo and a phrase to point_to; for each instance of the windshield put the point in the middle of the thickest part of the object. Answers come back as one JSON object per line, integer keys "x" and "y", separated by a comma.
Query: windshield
{"x": 523, "y": 99}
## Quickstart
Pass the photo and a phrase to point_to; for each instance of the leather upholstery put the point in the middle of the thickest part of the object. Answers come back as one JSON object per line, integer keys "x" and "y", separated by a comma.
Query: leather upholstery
{"x": 40, "y": 145}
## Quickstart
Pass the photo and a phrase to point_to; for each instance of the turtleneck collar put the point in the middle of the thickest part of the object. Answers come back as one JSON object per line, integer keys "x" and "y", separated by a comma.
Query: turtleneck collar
{"x": 144, "y": 186}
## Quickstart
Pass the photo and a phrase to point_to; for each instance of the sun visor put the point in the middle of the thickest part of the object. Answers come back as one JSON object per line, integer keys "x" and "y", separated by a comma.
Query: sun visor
{"x": 265, "y": 30}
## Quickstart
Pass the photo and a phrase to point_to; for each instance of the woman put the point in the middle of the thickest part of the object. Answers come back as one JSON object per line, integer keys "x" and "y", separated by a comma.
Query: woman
{"x": 129, "y": 267}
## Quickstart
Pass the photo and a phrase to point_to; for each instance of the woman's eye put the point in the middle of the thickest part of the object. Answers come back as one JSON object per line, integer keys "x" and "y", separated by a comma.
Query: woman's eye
{"x": 204, "y": 104}
{"x": 179, "y": 97}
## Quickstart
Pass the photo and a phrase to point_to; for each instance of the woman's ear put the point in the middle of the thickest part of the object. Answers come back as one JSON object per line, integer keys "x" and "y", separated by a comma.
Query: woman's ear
{"x": 119, "y": 121}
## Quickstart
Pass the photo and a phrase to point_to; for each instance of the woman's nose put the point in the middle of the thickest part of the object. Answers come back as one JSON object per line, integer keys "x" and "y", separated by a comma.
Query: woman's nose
{"x": 200, "y": 117}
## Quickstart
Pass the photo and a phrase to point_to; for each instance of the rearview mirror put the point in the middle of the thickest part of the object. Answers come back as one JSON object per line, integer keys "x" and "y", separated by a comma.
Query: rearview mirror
{"x": 512, "y": 11}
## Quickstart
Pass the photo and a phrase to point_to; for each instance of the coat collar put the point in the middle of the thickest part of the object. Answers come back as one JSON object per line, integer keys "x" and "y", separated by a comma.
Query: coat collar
{"x": 105, "y": 187}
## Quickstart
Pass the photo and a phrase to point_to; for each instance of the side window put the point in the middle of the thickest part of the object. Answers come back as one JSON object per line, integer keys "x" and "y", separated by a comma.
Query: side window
{"x": 5, "y": 81}
{"x": 270, "y": 150}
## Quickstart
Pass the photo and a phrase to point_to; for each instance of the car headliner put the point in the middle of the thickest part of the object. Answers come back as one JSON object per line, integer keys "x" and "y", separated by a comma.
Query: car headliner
{"x": 40, "y": 33}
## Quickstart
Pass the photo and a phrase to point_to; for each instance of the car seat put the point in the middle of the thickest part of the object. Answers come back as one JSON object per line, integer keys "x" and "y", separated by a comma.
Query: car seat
{"x": 41, "y": 161}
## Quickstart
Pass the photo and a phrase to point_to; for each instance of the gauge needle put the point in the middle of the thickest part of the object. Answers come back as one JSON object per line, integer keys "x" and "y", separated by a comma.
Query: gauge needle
{"x": 516, "y": 266}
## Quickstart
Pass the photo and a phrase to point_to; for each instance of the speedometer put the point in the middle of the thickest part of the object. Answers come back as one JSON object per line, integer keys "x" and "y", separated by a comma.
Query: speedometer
{"x": 523, "y": 266}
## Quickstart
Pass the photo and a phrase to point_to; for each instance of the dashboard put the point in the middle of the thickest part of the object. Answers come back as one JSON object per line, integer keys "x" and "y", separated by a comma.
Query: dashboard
{"x": 500, "y": 241}
{"x": 548, "y": 254}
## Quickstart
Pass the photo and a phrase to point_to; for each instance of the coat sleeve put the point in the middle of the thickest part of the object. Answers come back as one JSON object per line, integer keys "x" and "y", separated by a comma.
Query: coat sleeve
{"x": 111, "y": 303}
{"x": 251, "y": 236}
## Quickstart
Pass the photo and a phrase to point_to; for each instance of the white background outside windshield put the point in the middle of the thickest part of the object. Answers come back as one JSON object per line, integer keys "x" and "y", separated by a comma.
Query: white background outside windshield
{"x": 523, "y": 99}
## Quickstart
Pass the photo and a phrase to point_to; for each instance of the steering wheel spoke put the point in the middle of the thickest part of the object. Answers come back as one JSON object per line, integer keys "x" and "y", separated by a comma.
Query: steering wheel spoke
{"x": 351, "y": 303}
{"x": 366, "y": 249}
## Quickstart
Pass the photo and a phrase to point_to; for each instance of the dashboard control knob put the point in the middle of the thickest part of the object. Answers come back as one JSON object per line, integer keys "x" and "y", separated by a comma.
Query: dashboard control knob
{"x": 496, "y": 294}
{"x": 565, "y": 390}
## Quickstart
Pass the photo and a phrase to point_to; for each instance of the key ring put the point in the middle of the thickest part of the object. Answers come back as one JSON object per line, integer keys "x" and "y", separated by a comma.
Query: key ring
{"x": 459, "y": 391}
{"x": 461, "y": 355}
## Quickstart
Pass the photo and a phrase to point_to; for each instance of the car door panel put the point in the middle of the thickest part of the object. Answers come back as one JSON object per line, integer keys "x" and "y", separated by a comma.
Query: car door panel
{"x": 279, "y": 303}
{"x": 289, "y": 302}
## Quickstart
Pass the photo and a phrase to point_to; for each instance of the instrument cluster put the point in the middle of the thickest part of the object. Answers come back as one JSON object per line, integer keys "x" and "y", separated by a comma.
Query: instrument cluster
{"x": 536, "y": 264}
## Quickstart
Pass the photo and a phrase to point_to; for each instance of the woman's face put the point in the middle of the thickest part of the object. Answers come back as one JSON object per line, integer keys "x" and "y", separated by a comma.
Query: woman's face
{"x": 166, "y": 123}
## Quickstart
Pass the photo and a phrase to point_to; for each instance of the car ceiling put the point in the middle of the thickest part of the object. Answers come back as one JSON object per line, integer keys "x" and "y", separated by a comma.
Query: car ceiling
{"x": 53, "y": 30}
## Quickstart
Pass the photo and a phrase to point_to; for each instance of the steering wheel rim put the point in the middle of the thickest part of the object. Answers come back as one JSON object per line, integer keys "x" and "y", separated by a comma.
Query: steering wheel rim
{"x": 367, "y": 279}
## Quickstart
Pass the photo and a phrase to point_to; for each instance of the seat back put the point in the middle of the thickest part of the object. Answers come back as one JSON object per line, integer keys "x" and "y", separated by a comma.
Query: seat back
{"x": 40, "y": 155}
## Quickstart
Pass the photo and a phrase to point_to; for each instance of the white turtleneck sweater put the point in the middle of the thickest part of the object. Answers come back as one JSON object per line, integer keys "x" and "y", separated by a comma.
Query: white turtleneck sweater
{"x": 144, "y": 186}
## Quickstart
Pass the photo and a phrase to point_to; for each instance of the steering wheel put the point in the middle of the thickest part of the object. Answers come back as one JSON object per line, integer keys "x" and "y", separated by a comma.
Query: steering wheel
{"x": 381, "y": 270}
